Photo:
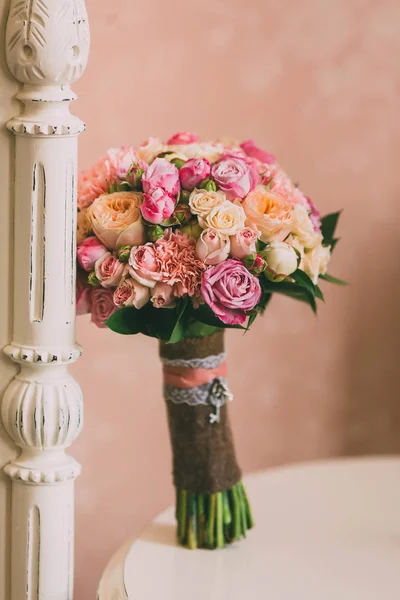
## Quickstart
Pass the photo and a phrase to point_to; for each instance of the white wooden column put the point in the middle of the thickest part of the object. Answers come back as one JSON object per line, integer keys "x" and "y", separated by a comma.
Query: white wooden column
{"x": 47, "y": 44}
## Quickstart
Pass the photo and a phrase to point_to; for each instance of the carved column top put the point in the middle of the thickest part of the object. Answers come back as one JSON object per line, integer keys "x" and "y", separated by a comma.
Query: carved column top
{"x": 47, "y": 41}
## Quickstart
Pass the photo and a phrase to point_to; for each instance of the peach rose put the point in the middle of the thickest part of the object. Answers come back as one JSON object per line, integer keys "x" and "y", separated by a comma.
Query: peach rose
{"x": 83, "y": 226}
{"x": 109, "y": 270}
{"x": 162, "y": 295}
{"x": 150, "y": 149}
{"x": 212, "y": 247}
{"x": 202, "y": 202}
{"x": 131, "y": 293}
{"x": 316, "y": 261}
{"x": 244, "y": 242}
{"x": 228, "y": 218}
{"x": 116, "y": 219}
{"x": 303, "y": 228}
{"x": 271, "y": 214}
{"x": 92, "y": 182}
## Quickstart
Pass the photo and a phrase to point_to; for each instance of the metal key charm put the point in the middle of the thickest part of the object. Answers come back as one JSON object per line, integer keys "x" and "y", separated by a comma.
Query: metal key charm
{"x": 219, "y": 394}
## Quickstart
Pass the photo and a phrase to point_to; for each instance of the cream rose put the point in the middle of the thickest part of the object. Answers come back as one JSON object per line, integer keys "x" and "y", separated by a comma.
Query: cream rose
{"x": 228, "y": 218}
{"x": 212, "y": 151}
{"x": 151, "y": 149}
{"x": 269, "y": 213}
{"x": 316, "y": 261}
{"x": 294, "y": 241}
{"x": 83, "y": 226}
{"x": 202, "y": 202}
{"x": 281, "y": 258}
{"x": 116, "y": 219}
{"x": 303, "y": 227}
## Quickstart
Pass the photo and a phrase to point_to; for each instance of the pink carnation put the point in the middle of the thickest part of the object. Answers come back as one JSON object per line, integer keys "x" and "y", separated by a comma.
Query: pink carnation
{"x": 123, "y": 158}
{"x": 282, "y": 185}
{"x": 180, "y": 139}
{"x": 93, "y": 182}
{"x": 179, "y": 265}
{"x": 315, "y": 215}
{"x": 230, "y": 290}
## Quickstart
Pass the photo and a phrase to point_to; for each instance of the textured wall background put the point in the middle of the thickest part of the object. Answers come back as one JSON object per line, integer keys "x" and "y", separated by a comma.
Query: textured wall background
{"x": 317, "y": 83}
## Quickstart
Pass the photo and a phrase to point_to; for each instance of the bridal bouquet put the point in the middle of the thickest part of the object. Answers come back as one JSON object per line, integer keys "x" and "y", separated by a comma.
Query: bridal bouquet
{"x": 179, "y": 241}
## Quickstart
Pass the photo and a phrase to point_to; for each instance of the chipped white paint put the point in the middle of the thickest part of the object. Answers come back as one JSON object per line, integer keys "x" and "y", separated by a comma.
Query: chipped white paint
{"x": 47, "y": 44}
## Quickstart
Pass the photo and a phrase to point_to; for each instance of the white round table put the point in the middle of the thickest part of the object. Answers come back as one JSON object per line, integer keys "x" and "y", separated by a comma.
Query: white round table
{"x": 324, "y": 531}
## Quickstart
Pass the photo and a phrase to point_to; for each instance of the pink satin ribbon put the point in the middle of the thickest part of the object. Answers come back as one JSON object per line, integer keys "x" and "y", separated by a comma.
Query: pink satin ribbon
{"x": 185, "y": 378}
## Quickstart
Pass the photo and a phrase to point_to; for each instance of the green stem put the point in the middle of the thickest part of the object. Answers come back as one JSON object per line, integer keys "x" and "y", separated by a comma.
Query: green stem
{"x": 220, "y": 521}
{"x": 211, "y": 521}
{"x": 182, "y": 517}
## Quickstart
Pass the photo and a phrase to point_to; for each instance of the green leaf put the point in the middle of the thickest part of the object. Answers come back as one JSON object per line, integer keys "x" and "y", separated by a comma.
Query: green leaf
{"x": 153, "y": 322}
{"x": 293, "y": 290}
{"x": 319, "y": 294}
{"x": 124, "y": 321}
{"x": 328, "y": 226}
{"x": 178, "y": 332}
{"x": 252, "y": 318}
{"x": 332, "y": 279}
{"x": 304, "y": 281}
{"x": 200, "y": 330}
{"x": 260, "y": 245}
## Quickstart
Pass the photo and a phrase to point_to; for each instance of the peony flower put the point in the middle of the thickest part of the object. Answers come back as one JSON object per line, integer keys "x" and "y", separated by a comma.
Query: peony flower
{"x": 83, "y": 300}
{"x": 150, "y": 149}
{"x": 102, "y": 306}
{"x": 193, "y": 172}
{"x": 235, "y": 176}
{"x": 179, "y": 265}
{"x": 116, "y": 219}
{"x": 131, "y": 293}
{"x": 93, "y": 182}
{"x": 316, "y": 261}
{"x": 244, "y": 242}
{"x": 162, "y": 296}
{"x": 161, "y": 174}
{"x": 83, "y": 226}
{"x": 269, "y": 213}
{"x": 88, "y": 251}
{"x": 180, "y": 139}
{"x": 252, "y": 150}
{"x": 281, "y": 258}
{"x": 201, "y": 202}
{"x": 228, "y": 218}
{"x": 144, "y": 265}
{"x": 123, "y": 158}
{"x": 212, "y": 247}
{"x": 230, "y": 290}
{"x": 157, "y": 206}
{"x": 109, "y": 270}
{"x": 303, "y": 227}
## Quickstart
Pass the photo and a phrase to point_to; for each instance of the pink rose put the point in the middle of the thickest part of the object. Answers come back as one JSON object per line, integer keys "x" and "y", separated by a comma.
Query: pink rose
{"x": 109, "y": 270}
{"x": 193, "y": 172}
{"x": 244, "y": 242}
{"x": 315, "y": 215}
{"x": 212, "y": 247}
{"x": 102, "y": 306}
{"x": 230, "y": 290}
{"x": 83, "y": 290}
{"x": 180, "y": 139}
{"x": 131, "y": 293}
{"x": 93, "y": 182}
{"x": 161, "y": 174}
{"x": 157, "y": 206}
{"x": 89, "y": 251}
{"x": 254, "y": 151}
{"x": 162, "y": 295}
{"x": 235, "y": 176}
{"x": 144, "y": 265}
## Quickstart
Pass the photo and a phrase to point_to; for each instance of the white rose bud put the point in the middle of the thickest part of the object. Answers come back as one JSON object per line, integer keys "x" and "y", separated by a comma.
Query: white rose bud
{"x": 281, "y": 258}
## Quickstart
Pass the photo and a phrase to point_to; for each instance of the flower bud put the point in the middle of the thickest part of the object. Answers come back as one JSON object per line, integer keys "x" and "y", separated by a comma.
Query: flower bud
{"x": 182, "y": 213}
{"x": 123, "y": 253}
{"x": 192, "y": 229}
{"x": 155, "y": 233}
{"x": 255, "y": 264}
{"x": 92, "y": 279}
{"x": 208, "y": 184}
{"x": 124, "y": 186}
{"x": 178, "y": 162}
{"x": 134, "y": 176}
{"x": 183, "y": 197}
{"x": 281, "y": 259}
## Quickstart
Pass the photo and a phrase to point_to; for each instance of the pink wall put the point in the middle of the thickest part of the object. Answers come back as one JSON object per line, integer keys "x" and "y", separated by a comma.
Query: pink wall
{"x": 316, "y": 82}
